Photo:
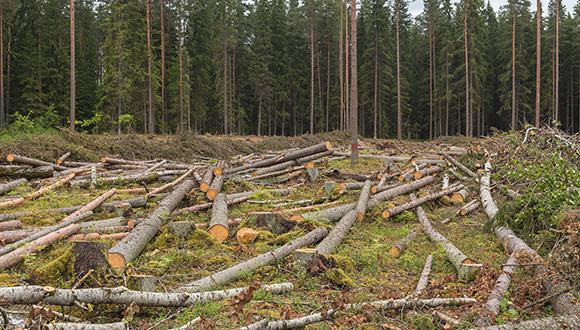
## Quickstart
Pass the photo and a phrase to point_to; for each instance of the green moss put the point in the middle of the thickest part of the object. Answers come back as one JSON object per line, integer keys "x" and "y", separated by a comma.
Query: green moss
{"x": 405, "y": 216}
{"x": 288, "y": 237}
{"x": 411, "y": 262}
{"x": 421, "y": 322}
{"x": 343, "y": 262}
{"x": 201, "y": 239}
{"x": 57, "y": 271}
{"x": 339, "y": 278}
{"x": 9, "y": 279}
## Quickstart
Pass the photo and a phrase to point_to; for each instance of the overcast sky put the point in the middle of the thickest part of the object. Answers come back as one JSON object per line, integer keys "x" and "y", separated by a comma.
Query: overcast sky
{"x": 415, "y": 7}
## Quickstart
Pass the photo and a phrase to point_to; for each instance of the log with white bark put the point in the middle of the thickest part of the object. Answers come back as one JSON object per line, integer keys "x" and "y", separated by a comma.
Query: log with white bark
{"x": 28, "y": 295}
{"x": 36, "y": 194}
{"x": 218, "y": 225}
{"x": 230, "y": 274}
{"x": 131, "y": 246}
{"x": 215, "y": 188}
{"x": 485, "y": 196}
{"x": 9, "y": 186}
{"x": 334, "y": 214}
{"x": 16, "y": 256}
{"x": 172, "y": 184}
{"x": 565, "y": 322}
{"x": 361, "y": 204}
{"x": 466, "y": 267}
{"x": 498, "y": 292}
{"x": 378, "y": 305}
{"x": 398, "y": 248}
{"x": 12, "y": 158}
{"x": 189, "y": 325}
{"x": 460, "y": 196}
{"x": 391, "y": 212}
{"x": 63, "y": 158}
{"x": 154, "y": 167}
{"x": 45, "y": 231}
{"x": 10, "y": 225}
{"x": 377, "y": 189}
{"x": 18, "y": 172}
{"x": 409, "y": 174}
{"x": 424, "y": 278}
{"x": 427, "y": 171}
{"x": 87, "y": 326}
{"x": 460, "y": 166}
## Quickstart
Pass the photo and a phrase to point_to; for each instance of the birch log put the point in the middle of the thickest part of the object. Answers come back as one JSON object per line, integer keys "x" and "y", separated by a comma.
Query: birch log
{"x": 87, "y": 326}
{"x": 565, "y": 322}
{"x": 466, "y": 267}
{"x": 427, "y": 171}
{"x": 400, "y": 247}
{"x": 424, "y": 278}
{"x": 388, "y": 213}
{"x": 131, "y": 246}
{"x": 9, "y": 186}
{"x": 485, "y": 196}
{"x": 378, "y": 305}
{"x": 218, "y": 226}
{"x": 28, "y": 295}
{"x": 336, "y": 213}
{"x": 230, "y": 274}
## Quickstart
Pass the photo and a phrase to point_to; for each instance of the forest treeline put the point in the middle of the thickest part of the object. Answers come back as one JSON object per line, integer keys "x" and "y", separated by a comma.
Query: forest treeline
{"x": 281, "y": 67}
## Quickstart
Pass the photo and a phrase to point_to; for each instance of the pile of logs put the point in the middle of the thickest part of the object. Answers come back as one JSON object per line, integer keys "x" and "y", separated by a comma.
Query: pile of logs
{"x": 168, "y": 188}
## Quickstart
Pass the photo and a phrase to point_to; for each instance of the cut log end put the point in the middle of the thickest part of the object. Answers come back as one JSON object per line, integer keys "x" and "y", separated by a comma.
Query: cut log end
{"x": 374, "y": 189}
{"x": 309, "y": 165}
{"x": 360, "y": 216}
{"x": 386, "y": 214}
{"x": 211, "y": 194}
{"x": 254, "y": 173}
{"x": 303, "y": 257}
{"x": 418, "y": 175}
{"x": 328, "y": 146}
{"x": 457, "y": 198}
{"x": 204, "y": 186}
{"x": 296, "y": 218}
{"x": 219, "y": 232}
{"x": 218, "y": 171}
{"x": 394, "y": 252}
{"x": 116, "y": 260}
{"x": 247, "y": 236}
{"x": 10, "y": 158}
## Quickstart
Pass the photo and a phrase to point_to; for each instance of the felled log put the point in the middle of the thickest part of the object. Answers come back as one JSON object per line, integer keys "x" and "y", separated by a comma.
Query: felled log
{"x": 120, "y": 180}
{"x": 18, "y": 172}
{"x": 91, "y": 226}
{"x": 215, "y": 188}
{"x": 11, "y": 236}
{"x": 97, "y": 237}
{"x": 10, "y": 225}
{"x": 361, "y": 204}
{"x": 16, "y": 256}
{"x": 485, "y": 196}
{"x": 460, "y": 166}
{"x": 92, "y": 205}
{"x": 377, "y": 189}
{"x": 424, "y": 278}
{"x": 36, "y": 194}
{"x": 12, "y": 158}
{"x": 63, "y": 158}
{"x": 409, "y": 174}
{"x": 27, "y": 295}
{"x": 336, "y": 174}
{"x": 207, "y": 179}
{"x": 427, "y": 171}
{"x": 172, "y": 184}
{"x": 464, "y": 210}
{"x": 335, "y": 213}
{"x": 498, "y": 292}
{"x": 460, "y": 196}
{"x": 189, "y": 325}
{"x": 9, "y": 186}
{"x": 131, "y": 246}
{"x": 295, "y": 162}
{"x": 275, "y": 174}
{"x": 118, "y": 161}
{"x": 69, "y": 163}
{"x": 430, "y": 161}
{"x": 466, "y": 267}
{"x": 87, "y": 326}
{"x": 230, "y": 274}
{"x": 563, "y": 322}
{"x": 383, "y": 157}
{"x": 374, "y": 305}
{"x": 207, "y": 206}
{"x": 218, "y": 226}
{"x": 400, "y": 247}
{"x": 388, "y": 213}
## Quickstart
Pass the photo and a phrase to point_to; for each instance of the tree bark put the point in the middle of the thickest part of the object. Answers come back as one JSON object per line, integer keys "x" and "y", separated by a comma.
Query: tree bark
{"x": 18, "y": 172}
{"x": 72, "y": 67}
{"x": 424, "y": 278}
{"x": 230, "y": 274}
{"x": 132, "y": 245}
{"x": 151, "y": 117}
{"x": 10, "y": 225}
{"x": 361, "y": 204}
{"x": 9, "y": 186}
{"x": 12, "y": 158}
{"x": 460, "y": 166}
{"x": 215, "y": 188}
{"x": 162, "y": 64}
{"x": 290, "y": 163}
{"x": 207, "y": 179}
{"x": 560, "y": 322}
{"x": 28, "y": 295}
{"x": 416, "y": 202}
{"x": 538, "y": 59}
{"x": 218, "y": 226}
{"x": 353, "y": 85}
{"x": 514, "y": 110}
{"x": 400, "y": 247}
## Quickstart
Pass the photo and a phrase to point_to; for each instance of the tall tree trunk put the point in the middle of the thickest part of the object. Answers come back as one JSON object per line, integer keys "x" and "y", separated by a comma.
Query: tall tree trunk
{"x": 151, "y": 121}
{"x": 467, "y": 110}
{"x": 354, "y": 86}
{"x": 538, "y": 58}
{"x": 163, "y": 110}
{"x": 557, "y": 74}
{"x": 340, "y": 67}
{"x": 72, "y": 67}
{"x": 398, "y": 29}
{"x": 376, "y": 91}
{"x": 260, "y": 116}
{"x": 2, "y": 109}
{"x": 225, "y": 76}
{"x": 347, "y": 72}
{"x": 447, "y": 94}
{"x": 514, "y": 111}
{"x": 430, "y": 78}
{"x": 327, "y": 88}
{"x": 311, "y": 75}
{"x": 181, "y": 117}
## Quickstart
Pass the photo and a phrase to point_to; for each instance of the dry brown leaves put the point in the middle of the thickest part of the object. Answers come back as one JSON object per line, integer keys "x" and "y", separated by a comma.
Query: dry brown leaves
{"x": 483, "y": 284}
{"x": 238, "y": 302}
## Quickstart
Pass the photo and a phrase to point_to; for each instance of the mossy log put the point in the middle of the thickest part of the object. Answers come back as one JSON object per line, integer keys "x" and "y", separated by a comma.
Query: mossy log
{"x": 12, "y": 158}
{"x": 398, "y": 248}
{"x": 409, "y": 174}
{"x": 119, "y": 180}
{"x": 18, "y": 172}
{"x": 336, "y": 213}
{"x": 131, "y": 246}
{"x": 9, "y": 186}
{"x": 467, "y": 268}
{"x": 391, "y": 212}
{"x": 218, "y": 225}
{"x": 230, "y": 274}
{"x": 460, "y": 166}
{"x": 215, "y": 188}
{"x": 28, "y": 295}
{"x": 87, "y": 326}
{"x": 565, "y": 322}
{"x": 374, "y": 305}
